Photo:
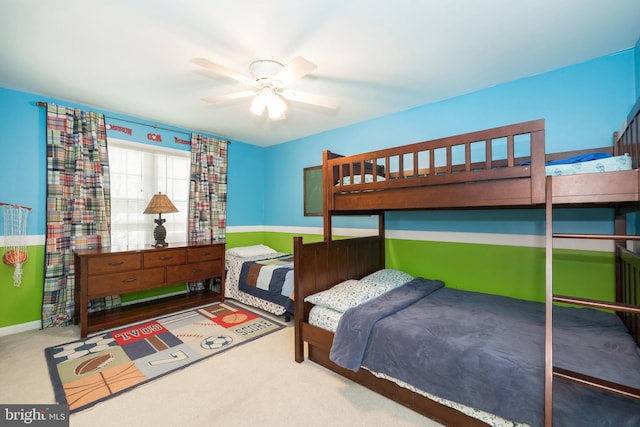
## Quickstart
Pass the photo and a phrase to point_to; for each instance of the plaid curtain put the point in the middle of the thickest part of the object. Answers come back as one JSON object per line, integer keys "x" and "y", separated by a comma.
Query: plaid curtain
{"x": 207, "y": 193}
{"x": 78, "y": 205}
{"x": 208, "y": 189}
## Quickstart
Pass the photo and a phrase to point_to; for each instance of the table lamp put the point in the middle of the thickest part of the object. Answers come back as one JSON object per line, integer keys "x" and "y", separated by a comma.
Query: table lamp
{"x": 160, "y": 204}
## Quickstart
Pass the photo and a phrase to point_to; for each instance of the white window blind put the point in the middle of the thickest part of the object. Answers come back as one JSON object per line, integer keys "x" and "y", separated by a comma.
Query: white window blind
{"x": 139, "y": 171}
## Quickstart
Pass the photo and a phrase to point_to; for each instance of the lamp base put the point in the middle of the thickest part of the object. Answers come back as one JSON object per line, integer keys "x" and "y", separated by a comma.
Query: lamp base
{"x": 159, "y": 233}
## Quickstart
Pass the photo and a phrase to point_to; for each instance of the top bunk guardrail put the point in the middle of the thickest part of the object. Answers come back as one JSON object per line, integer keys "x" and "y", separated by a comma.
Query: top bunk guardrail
{"x": 507, "y": 153}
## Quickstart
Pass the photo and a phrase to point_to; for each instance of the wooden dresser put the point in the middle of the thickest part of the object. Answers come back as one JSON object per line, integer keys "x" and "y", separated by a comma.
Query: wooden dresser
{"x": 106, "y": 272}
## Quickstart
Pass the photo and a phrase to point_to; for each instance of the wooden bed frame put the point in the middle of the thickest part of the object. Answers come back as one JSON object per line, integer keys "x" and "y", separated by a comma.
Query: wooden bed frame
{"x": 321, "y": 265}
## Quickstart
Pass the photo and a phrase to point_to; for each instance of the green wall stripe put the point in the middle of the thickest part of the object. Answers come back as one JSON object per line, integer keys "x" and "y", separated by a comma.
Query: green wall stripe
{"x": 22, "y": 304}
{"x": 517, "y": 272}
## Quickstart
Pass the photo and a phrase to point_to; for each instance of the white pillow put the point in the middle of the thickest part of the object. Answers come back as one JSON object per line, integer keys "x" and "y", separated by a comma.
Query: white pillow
{"x": 249, "y": 251}
{"x": 388, "y": 278}
{"x": 357, "y": 179}
{"x": 345, "y": 295}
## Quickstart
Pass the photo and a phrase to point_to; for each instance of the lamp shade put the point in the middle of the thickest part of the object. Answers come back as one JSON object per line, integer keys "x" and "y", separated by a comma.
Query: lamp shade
{"x": 160, "y": 204}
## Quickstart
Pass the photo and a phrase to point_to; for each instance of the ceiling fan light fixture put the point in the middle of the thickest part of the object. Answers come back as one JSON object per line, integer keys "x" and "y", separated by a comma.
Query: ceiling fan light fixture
{"x": 258, "y": 104}
{"x": 275, "y": 116}
{"x": 276, "y": 107}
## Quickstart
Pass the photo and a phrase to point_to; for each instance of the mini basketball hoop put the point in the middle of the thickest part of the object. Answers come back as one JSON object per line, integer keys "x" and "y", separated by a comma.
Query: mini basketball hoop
{"x": 15, "y": 233}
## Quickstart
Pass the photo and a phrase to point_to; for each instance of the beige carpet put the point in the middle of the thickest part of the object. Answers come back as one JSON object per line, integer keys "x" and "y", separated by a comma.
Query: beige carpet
{"x": 258, "y": 384}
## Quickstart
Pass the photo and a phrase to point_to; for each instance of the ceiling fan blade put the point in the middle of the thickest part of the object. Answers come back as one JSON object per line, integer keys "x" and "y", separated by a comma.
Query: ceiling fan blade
{"x": 295, "y": 69}
{"x": 230, "y": 96}
{"x": 310, "y": 98}
{"x": 219, "y": 69}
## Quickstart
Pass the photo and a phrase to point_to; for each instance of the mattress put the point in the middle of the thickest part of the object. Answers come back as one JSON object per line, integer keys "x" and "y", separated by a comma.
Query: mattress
{"x": 606, "y": 164}
{"x": 324, "y": 318}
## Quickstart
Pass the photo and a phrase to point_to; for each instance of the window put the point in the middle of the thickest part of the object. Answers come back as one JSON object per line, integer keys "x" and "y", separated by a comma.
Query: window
{"x": 139, "y": 171}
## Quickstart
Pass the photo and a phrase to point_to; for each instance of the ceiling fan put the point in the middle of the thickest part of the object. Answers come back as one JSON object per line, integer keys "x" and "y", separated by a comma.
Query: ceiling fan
{"x": 270, "y": 79}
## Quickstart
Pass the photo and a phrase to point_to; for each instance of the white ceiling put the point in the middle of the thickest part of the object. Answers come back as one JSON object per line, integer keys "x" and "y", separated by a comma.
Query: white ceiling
{"x": 379, "y": 57}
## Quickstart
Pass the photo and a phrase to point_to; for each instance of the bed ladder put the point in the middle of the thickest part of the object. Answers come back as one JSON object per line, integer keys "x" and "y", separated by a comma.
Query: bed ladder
{"x": 550, "y": 370}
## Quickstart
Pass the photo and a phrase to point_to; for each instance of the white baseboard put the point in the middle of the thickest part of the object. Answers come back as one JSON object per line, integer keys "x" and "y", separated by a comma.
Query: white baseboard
{"x": 23, "y": 327}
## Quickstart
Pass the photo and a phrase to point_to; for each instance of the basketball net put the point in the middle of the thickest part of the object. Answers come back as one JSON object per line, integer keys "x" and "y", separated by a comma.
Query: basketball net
{"x": 15, "y": 232}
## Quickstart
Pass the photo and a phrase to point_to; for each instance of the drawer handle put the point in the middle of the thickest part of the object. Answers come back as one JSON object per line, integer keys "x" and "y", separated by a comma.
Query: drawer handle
{"x": 114, "y": 263}
{"x": 165, "y": 258}
{"x": 196, "y": 270}
{"x": 133, "y": 279}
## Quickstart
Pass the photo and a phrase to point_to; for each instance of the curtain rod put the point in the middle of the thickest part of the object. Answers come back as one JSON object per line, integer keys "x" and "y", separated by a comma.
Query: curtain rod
{"x": 44, "y": 104}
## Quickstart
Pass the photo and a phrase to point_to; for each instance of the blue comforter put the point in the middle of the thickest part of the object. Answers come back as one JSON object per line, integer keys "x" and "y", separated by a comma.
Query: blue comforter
{"x": 269, "y": 279}
{"x": 487, "y": 352}
{"x": 574, "y": 159}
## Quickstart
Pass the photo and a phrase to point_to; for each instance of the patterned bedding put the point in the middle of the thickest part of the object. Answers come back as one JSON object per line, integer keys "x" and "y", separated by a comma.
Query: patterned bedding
{"x": 324, "y": 317}
{"x": 264, "y": 281}
{"x": 604, "y": 164}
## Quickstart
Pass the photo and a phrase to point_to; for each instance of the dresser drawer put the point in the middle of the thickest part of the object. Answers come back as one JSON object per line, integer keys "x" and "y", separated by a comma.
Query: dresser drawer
{"x": 195, "y": 271}
{"x": 121, "y": 283}
{"x": 165, "y": 257}
{"x": 205, "y": 253}
{"x": 114, "y": 263}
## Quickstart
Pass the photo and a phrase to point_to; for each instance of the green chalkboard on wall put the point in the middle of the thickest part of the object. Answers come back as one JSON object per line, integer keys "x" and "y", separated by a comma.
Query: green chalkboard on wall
{"x": 313, "y": 191}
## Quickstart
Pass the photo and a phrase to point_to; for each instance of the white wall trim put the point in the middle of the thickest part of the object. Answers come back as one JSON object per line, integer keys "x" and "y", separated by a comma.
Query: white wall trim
{"x": 520, "y": 240}
{"x": 23, "y": 327}
{"x": 31, "y": 240}
{"x": 246, "y": 229}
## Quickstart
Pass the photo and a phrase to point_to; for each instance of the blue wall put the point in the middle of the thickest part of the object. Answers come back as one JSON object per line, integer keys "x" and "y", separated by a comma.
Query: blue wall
{"x": 246, "y": 202}
{"x": 582, "y": 105}
{"x": 23, "y": 159}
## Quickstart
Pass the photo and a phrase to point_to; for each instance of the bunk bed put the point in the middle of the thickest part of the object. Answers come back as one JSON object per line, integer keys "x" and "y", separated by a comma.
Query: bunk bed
{"x": 431, "y": 175}
{"x": 261, "y": 277}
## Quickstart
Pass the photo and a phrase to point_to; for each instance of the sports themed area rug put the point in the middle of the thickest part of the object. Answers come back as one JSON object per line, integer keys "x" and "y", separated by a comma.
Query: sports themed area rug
{"x": 106, "y": 364}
